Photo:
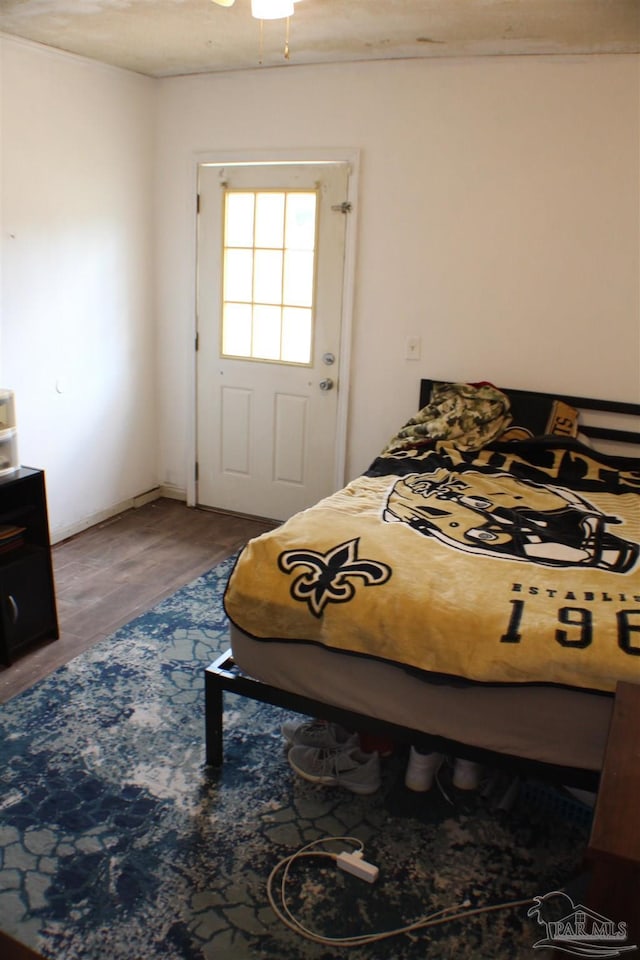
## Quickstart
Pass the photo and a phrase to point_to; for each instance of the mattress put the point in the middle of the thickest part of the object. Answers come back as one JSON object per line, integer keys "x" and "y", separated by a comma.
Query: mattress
{"x": 550, "y": 724}
{"x": 515, "y": 564}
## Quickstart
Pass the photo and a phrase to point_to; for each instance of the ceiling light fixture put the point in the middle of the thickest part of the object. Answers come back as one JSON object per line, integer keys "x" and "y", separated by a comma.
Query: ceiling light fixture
{"x": 268, "y": 10}
{"x": 265, "y": 9}
{"x": 271, "y": 9}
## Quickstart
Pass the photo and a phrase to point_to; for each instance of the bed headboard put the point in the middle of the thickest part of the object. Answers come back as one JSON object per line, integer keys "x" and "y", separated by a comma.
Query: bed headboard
{"x": 609, "y": 421}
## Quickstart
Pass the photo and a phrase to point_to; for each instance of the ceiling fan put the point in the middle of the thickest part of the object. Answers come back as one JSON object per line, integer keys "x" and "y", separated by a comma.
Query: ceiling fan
{"x": 265, "y": 9}
{"x": 268, "y": 10}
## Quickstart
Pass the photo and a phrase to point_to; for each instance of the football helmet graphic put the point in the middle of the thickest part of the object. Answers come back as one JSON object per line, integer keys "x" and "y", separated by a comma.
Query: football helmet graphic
{"x": 498, "y": 514}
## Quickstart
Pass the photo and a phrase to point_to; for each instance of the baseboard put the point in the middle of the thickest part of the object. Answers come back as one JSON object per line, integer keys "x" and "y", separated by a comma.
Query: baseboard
{"x": 173, "y": 493}
{"x": 165, "y": 490}
{"x": 64, "y": 533}
{"x": 147, "y": 497}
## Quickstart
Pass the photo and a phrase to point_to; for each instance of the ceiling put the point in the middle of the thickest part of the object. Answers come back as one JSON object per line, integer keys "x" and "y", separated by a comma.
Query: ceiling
{"x": 162, "y": 38}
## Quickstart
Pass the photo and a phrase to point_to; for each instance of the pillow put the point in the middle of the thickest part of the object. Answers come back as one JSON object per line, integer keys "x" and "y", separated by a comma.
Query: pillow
{"x": 535, "y": 415}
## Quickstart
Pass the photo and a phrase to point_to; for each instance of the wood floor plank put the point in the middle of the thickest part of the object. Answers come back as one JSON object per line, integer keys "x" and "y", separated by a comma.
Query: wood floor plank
{"x": 113, "y": 572}
{"x": 10, "y": 949}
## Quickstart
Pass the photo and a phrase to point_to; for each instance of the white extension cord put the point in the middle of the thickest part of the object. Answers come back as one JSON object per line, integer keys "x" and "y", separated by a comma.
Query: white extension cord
{"x": 352, "y": 861}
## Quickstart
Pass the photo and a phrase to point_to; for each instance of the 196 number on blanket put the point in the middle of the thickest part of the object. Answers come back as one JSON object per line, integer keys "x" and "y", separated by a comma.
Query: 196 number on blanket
{"x": 581, "y": 622}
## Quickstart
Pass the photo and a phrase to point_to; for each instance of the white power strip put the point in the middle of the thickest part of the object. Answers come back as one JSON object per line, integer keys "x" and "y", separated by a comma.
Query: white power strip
{"x": 353, "y": 863}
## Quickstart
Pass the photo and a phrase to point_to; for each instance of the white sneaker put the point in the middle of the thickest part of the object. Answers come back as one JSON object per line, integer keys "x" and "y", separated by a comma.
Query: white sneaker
{"x": 317, "y": 733}
{"x": 421, "y": 770}
{"x": 466, "y": 774}
{"x": 350, "y": 767}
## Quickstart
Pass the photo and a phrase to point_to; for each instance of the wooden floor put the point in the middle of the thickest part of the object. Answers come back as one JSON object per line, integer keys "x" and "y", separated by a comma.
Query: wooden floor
{"x": 114, "y": 571}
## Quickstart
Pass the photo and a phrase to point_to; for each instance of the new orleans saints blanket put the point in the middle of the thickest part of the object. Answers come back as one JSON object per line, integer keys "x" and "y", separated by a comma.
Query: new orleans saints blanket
{"x": 519, "y": 563}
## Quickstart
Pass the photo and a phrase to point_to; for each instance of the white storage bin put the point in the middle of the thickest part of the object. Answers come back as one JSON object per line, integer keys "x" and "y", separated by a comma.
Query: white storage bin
{"x": 8, "y": 451}
{"x": 7, "y": 410}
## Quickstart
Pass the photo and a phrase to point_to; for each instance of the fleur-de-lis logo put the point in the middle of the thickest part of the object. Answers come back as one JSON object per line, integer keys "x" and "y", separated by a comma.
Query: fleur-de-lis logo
{"x": 328, "y": 577}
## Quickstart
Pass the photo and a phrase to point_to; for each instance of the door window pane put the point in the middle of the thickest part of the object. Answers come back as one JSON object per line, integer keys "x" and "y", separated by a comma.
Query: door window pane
{"x": 298, "y": 278}
{"x": 301, "y": 221}
{"x": 270, "y": 220}
{"x": 238, "y": 275}
{"x": 296, "y": 335}
{"x": 267, "y": 285}
{"x": 236, "y": 329}
{"x": 238, "y": 228}
{"x": 269, "y": 275}
{"x": 266, "y": 332}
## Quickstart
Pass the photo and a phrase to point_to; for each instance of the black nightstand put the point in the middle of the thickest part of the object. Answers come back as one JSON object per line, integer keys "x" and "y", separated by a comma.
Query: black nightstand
{"x": 27, "y": 592}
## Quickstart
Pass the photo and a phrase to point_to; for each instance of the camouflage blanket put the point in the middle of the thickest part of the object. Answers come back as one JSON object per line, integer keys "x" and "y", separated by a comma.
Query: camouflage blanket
{"x": 518, "y": 563}
{"x": 471, "y": 415}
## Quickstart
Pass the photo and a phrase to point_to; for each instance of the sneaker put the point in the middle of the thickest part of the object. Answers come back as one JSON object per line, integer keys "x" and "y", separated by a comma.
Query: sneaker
{"x": 466, "y": 774}
{"x": 317, "y": 733}
{"x": 421, "y": 770}
{"x": 350, "y": 767}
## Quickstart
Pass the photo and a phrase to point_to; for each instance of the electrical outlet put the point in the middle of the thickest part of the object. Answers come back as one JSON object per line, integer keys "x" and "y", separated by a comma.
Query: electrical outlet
{"x": 412, "y": 348}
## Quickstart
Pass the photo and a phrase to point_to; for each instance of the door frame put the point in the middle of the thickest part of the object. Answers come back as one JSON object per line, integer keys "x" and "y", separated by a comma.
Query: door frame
{"x": 351, "y": 157}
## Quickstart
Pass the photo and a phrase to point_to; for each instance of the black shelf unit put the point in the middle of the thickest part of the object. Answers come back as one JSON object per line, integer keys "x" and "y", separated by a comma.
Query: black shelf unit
{"x": 27, "y": 592}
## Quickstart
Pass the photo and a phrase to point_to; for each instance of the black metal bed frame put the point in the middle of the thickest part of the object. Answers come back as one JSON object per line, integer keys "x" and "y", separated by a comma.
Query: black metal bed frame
{"x": 224, "y": 676}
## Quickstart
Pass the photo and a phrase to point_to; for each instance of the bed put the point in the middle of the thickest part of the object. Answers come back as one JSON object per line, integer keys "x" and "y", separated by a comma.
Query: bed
{"x": 475, "y": 591}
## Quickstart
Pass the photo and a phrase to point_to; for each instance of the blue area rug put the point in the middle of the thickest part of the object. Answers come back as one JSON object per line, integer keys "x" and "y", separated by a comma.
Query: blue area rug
{"x": 117, "y": 843}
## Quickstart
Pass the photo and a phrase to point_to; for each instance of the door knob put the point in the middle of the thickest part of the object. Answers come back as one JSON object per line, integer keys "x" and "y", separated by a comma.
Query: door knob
{"x": 326, "y": 384}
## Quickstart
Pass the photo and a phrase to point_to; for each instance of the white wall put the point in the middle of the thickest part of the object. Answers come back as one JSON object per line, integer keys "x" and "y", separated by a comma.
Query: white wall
{"x": 77, "y": 322}
{"x": 499, "y": 217}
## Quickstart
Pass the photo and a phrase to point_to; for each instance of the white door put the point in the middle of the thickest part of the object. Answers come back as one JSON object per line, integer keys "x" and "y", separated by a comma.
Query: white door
{"x": 271, "y": 241}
